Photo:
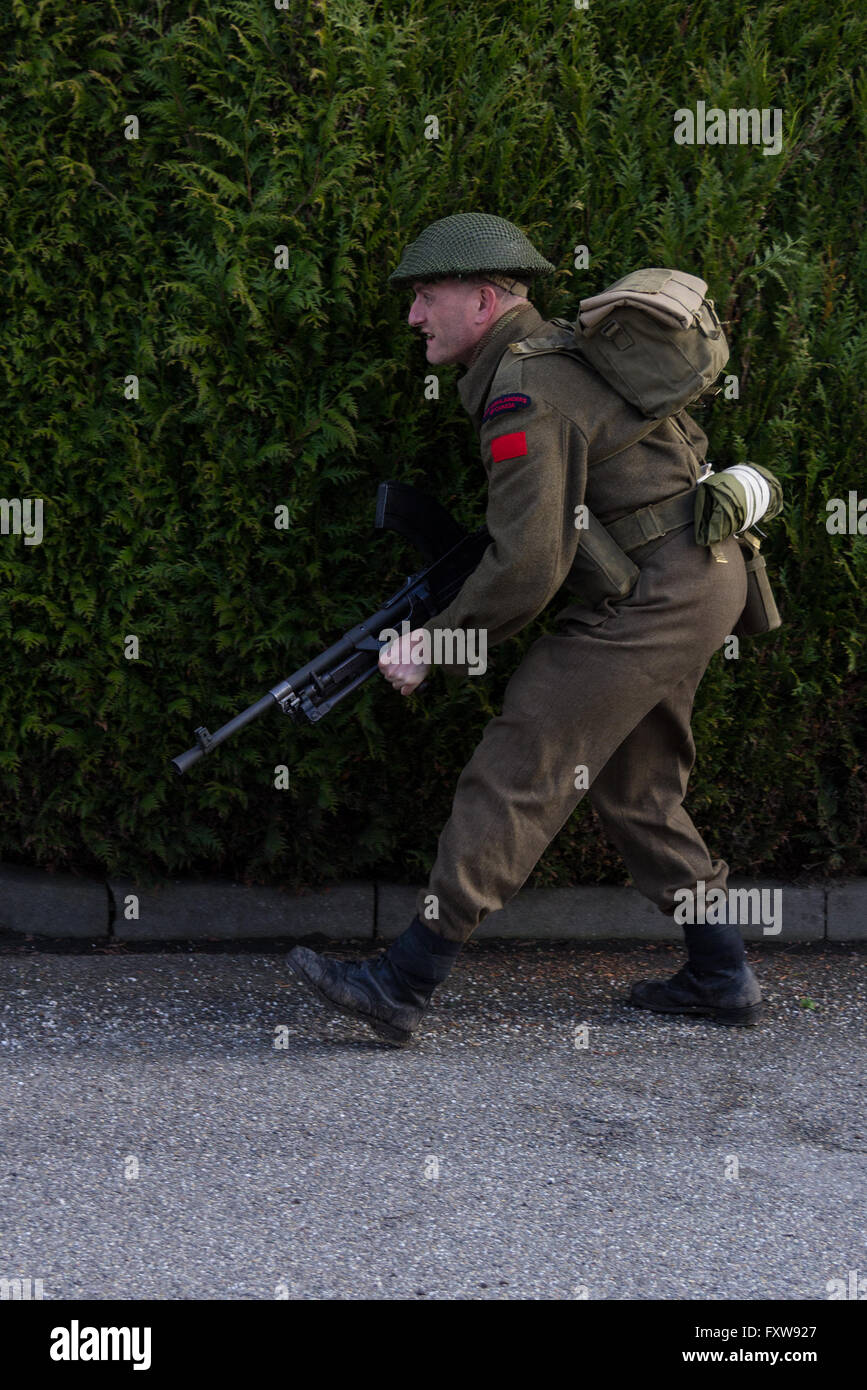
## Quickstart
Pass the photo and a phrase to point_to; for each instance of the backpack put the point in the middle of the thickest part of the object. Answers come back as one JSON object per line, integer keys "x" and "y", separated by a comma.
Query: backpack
{"x": 653, "y": 336}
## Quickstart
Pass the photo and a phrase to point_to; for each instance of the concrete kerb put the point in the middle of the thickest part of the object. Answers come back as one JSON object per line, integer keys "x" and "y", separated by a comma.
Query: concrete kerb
{"x": 622, "y": 914}
{"x": 191, "y": 911}
{"x": 36, "y": 903}
{"x": 547, "y": 914}
{"x": 847, "y": 910}
{"x": 33, "y": 902}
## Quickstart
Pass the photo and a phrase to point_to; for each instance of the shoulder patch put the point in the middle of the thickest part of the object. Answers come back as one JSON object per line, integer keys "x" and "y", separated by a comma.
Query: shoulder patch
{"x": 513, "y": 401}
{"x": 508, "y": 446}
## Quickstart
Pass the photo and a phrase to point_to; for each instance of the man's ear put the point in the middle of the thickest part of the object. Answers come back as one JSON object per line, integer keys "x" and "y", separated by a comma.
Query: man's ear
{"x": 487, "y": 300}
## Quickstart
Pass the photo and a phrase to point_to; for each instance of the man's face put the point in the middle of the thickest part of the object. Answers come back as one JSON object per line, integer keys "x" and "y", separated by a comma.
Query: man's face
{"x": 452, "y": 316}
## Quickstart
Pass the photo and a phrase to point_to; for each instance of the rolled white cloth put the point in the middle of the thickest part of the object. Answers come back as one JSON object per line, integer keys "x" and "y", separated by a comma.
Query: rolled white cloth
{"x": 757, "y": 492}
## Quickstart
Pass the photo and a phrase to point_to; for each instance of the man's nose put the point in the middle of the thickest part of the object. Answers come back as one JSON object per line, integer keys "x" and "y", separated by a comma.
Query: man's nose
{"x": 415, "y": 315}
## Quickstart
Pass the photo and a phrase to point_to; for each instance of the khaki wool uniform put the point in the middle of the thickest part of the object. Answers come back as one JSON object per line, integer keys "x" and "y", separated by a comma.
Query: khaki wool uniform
{"x": 608, "y": 689}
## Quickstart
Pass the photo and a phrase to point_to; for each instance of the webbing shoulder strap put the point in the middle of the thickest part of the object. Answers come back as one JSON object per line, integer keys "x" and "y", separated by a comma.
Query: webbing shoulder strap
{"x": 538, "y": 347}
{"x": 651, "y": 425}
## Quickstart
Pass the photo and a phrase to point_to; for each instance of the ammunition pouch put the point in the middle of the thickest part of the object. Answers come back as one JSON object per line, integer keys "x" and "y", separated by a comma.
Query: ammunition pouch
{"x": 601, "y": 570}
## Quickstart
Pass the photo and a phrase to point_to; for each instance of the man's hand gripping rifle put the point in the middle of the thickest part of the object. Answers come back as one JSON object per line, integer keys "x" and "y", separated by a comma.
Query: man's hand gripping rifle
{"x": 450, "y": 555}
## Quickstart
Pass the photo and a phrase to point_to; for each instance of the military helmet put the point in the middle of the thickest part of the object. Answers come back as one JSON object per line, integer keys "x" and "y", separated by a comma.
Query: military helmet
{"x": 472, "y": 243}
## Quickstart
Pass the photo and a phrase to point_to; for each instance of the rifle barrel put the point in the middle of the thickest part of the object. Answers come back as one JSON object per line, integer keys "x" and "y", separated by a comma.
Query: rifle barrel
{"x": 208, "y": 741}
{"x": 322, "y": 682}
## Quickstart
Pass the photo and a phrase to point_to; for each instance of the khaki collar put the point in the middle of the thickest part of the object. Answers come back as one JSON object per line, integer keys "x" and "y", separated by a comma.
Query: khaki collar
{"x": 474, "y": 385}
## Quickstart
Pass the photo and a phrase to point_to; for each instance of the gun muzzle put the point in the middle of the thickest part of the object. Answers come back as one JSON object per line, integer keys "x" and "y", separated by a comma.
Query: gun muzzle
{"x": 185, "y": 760}
{"x": 205, "y": 742}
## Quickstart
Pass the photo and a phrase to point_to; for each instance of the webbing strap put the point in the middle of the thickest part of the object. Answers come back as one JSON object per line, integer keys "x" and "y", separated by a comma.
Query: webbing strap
{"x": 649, "y": 523}
{"x": 651, "y": 425}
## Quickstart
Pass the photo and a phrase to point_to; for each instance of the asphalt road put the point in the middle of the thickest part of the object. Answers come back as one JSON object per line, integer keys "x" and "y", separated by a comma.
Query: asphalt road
{"x": 157, "y": 1144}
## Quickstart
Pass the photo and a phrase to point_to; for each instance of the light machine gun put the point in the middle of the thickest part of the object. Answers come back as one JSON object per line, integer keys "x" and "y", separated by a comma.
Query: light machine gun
{"x": 450, "y": 554}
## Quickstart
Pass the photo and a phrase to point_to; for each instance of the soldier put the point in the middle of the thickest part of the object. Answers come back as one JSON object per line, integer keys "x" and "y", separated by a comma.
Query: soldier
{"x": 608, "y": 693}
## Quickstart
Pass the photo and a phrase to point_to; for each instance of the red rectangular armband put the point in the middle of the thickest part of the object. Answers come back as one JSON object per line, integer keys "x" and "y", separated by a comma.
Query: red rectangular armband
{"x": 509, "y": 446}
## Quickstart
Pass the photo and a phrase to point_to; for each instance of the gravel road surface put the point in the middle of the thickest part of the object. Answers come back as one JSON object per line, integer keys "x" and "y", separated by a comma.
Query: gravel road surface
{"x": 186, "y": 1124}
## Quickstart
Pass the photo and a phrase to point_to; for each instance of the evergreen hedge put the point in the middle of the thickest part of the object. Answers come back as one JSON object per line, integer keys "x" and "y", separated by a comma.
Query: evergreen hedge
{"x": 155, "y": 258}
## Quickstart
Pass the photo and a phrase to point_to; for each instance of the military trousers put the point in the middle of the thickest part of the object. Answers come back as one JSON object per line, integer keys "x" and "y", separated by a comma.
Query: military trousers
{"x": 601, "y": 705}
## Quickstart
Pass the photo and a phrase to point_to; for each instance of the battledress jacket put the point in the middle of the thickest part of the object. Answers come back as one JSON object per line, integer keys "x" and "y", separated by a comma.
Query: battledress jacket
{"x": 543, "y": 423}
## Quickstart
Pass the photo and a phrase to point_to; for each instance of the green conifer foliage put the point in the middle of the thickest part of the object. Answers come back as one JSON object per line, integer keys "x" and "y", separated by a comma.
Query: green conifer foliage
{"x": 156, "y": 258}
